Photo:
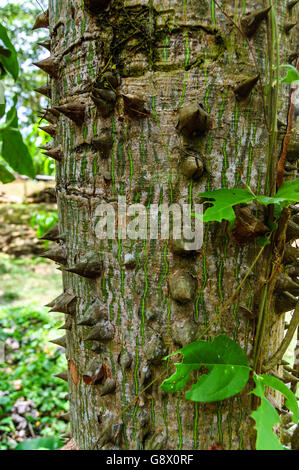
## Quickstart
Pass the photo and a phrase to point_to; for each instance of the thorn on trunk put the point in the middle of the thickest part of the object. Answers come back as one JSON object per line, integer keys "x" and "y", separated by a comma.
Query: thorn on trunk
{"x": 247, "y": 227}
{"x": 56, "y": 254}
{"x": 90, "y": 266}
{"x": 65, "y": 303}
{"x": 55, "y": 153}
{"x": 42, "y": 20}
{"x": 61, "y": 341}
{"x": 251, "y": 22}
{"x": 73, "y": 110}
{"x": 49, "y": 65}
{"x": 45, "y": 44}
{"x": 192, "y": 165}
{"x": 52, "y": 303}
{"x": 67, "y": 324}
{"x": 289, "y": 26}
{"x": 292, "y": 233}
{"x": 95, "y": 313}
{"x": 134, "y": 106}
{"x": 104, "y": 143}
{"x": 44, "y": 90}
{"x": 193, "y": 121}
{"x": 292, "y": 4}
{"x": 182, "y": 286}
{"x": 104, "y": 100}
{"x": 51, "y": 130}
{"x": 285, "y": 302}
{"x": 291, "y": 255}
{"x": 62, "y": 375}
{"x": 285, "y": 283}
{"x": 244, "y": 89}
{"x": 52, "y": 234}
{"x": 108, "y": 387}
{"x": 102, "y": 332}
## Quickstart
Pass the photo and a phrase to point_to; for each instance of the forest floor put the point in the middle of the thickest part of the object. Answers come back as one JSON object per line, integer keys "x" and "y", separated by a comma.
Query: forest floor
{"x": 32, "y": 401}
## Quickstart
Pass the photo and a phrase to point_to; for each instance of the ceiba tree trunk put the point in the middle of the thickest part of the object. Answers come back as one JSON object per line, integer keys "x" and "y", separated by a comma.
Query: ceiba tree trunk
{"x": 143, "y": 95}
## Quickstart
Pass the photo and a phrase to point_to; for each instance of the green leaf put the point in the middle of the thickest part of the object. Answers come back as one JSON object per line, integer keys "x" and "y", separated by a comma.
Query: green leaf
{"x": 15, "y": 152}
{"x": 224, "y": 199}
{"x": 292, "y": 74}
{"x": 5, "y": 175}
{"x": 227, "y": 366}
{"x": 48, "y": 443}
{"x": 9, "y": 63}
{"x": 265, "y": 418}
{"x": 291, "y": 402}
{"x": 289, "y": 191}
{"x": 2, "y": 101}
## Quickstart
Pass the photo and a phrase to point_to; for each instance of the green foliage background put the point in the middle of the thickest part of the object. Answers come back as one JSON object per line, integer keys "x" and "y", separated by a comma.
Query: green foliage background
{"x": 18, "y": 18}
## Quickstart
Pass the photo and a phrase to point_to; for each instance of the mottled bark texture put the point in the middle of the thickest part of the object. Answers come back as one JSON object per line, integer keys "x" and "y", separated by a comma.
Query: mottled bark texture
{"x": 127, "y": 78}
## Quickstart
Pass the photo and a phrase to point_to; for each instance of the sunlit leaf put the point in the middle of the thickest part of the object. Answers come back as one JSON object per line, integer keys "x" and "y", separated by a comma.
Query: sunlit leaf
{"x": 265, "y": 418}
{"x": 291, "y": 401}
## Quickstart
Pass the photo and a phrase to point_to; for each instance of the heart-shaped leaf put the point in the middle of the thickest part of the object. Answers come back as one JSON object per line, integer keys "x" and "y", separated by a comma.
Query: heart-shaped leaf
{"x": 226, "y": 365}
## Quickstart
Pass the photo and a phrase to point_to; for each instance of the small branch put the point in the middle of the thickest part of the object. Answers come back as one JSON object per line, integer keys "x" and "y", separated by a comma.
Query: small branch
{"x": 276, "y": 358}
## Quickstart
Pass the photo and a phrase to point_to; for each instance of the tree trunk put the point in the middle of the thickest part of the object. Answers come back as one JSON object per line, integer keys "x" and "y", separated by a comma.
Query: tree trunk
{"x": 126, "y": 78}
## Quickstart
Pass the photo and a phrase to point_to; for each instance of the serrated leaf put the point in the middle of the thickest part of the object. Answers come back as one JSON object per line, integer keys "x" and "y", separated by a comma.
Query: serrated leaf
{"x": 291, "y": 402}
{"x": 292, "y": 74}
{"x": 15, "y": 152}
{"x": 5, "y": 175}
{"x": 227, "y": 366}
{"x": 265, "y": 418}
{"x": 9, "y": 63}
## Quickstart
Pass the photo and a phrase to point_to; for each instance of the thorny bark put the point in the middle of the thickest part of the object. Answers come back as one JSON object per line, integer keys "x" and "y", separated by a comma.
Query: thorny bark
{"x": 171, "y": 54}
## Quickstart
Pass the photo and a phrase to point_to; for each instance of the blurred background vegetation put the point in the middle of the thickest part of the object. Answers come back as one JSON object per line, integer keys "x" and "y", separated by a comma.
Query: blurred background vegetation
{"x": 32, "y": 401}
{"x": 18, "y": 18}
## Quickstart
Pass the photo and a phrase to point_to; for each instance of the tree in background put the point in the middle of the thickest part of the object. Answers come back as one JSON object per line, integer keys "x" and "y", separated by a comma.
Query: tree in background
{"x": 19, "y": 98}
{"x": 161, "y": 102}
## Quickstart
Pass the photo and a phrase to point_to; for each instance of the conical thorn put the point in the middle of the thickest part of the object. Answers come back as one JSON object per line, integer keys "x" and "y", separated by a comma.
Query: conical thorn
{"x": 49, "y": 66}
{"x": 44, "y": 90}
{"x": 251, "y": 22}
{"x": 42, "y": 20}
